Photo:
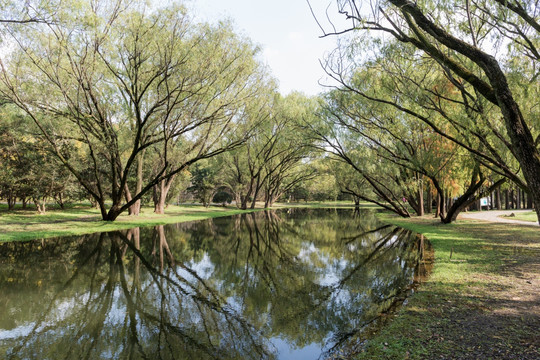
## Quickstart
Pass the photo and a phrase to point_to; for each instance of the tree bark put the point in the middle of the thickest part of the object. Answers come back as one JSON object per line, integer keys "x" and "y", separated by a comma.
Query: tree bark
{"x": 498, "y": 199}
{"x": 438, "y": 206}
{"x": 529, "y": 201}
{"x": 161, "y": 190}
{"x": 40, "y": 205}
{"x": 429, "y": 201}
{"x": 512, "y": 199}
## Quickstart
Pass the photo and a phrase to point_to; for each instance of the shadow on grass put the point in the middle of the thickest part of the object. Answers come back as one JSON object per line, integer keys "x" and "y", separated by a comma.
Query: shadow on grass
{"x": 456, "y": 326}
{"x": 482, "y": 301}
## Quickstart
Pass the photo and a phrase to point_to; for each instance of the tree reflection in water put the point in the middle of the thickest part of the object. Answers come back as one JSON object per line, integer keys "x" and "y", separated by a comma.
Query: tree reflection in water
{"x": 226, "y": 288}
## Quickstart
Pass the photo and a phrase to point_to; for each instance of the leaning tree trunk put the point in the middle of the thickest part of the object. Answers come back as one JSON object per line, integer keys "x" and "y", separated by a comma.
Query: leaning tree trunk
{"x": 256, "y": 193}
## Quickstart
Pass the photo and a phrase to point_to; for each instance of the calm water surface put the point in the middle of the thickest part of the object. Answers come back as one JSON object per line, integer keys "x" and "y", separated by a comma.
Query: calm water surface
{"x": 295, "y": 284}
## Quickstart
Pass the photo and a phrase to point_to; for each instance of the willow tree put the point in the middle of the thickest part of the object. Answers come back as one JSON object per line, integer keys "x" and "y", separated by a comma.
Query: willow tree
{"x": 378, "y": 108}
{"x": 272, "y": 161}
{"x": 485, "y": 44}
{"x": 115, "y": 80}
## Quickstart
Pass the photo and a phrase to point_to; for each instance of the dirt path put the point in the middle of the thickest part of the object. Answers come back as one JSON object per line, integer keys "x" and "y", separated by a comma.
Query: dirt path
{"x": 494, "y": 216}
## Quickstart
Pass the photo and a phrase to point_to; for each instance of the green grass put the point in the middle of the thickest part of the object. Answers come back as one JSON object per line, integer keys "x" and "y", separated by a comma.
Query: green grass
{"x": 480, "y": 301}
{"x": 26, "y": 224}
{"x": 525, "y": 216}
{"x": 22, "y": 225}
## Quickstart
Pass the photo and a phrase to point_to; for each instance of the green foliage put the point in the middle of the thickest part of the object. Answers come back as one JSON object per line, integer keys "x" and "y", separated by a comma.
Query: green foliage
{"x": 204, "y": 181}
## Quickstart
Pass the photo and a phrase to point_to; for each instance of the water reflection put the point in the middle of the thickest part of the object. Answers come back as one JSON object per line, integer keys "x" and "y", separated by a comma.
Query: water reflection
{"x": 255, "y": 286}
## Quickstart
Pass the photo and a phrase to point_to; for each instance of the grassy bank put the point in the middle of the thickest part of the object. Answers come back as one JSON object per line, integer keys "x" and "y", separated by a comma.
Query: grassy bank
{"x": 481, "y": 301}
{"x": 525, "y": 216}
{"x": 21, "y": 225}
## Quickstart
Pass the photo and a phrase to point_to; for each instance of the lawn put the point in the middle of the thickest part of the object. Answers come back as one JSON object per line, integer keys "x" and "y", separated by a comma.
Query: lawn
{"x": 480, "y": 302}
{"x": 525, "y": 216}
{"x": 21, "y": 225}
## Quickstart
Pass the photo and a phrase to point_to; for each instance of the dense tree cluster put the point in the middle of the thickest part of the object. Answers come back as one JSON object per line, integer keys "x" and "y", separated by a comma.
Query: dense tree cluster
{"x": 127, "y": 99}
{"x": 437, "y": 95}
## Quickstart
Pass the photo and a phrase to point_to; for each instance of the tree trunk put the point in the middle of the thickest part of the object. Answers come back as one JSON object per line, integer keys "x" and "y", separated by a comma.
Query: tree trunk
{"x": 529, "y": 201}
{"x": 416, "y": 200}
{"x": 238, "y": 199}
{"x": 112, "y": 214}
{"x": 60, "y": 200}
{"x": 429, "y": 202}
{"x": 127, "y": 194}
{"x": 420, "y": 211}
{"x": 11, "y": 201}
{"x": 159, "y": 206}
{"x": 506, "y": 200}
{"x": 471, "y": 195}
{"x": 256, "y": 193}
{"x": 40, "y": 206}
{"x": 518, "y": 202}
{"x": 512, "y": 199}
{"x": 161, "y": 190}
{"x": 438, "y": 209}
{"x": 135, "y": 209}
{"x": 498, "y": 199}
{"x": 244, "y": 201}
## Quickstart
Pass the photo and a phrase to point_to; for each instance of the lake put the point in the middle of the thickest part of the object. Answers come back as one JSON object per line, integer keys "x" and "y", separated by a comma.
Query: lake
{"x": 287, "y": 284}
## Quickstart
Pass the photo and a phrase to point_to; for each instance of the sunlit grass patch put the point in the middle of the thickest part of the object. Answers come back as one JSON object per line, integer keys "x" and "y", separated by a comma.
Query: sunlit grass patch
{"x": 525, "y": 216}
{"x": 22, "y": 225}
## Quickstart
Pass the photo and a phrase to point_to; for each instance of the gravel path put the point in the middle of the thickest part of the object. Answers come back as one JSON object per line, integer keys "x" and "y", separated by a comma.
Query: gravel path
{"x": 494, "y": 216}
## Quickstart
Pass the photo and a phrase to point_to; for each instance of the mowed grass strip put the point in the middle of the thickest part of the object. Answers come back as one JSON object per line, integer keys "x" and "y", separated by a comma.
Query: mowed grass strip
{"x": 22, "y": 225}
{"x": 480, "y": 302}
{"x": 525, "y": 216}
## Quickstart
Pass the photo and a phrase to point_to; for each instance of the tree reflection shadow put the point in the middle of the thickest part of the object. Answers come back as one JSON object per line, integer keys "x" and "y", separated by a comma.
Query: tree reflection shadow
{"x": 216, "y": 289}
{"x": 164, "y": 311}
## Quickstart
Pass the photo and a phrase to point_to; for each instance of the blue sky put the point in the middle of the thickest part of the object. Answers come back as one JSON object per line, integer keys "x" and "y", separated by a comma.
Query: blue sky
{"x": 286, "y": 31}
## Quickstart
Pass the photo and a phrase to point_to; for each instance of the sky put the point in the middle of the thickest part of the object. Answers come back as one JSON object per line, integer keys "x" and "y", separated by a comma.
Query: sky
{"x": 285, "y": 30}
